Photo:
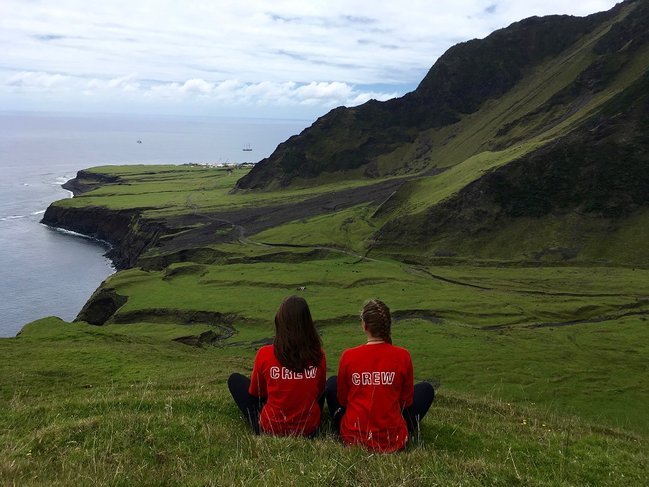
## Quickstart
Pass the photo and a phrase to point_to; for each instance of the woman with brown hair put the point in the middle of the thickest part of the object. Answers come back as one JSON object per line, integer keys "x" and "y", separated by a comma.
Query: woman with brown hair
{"x": 373, "y": 401}
{"x": 285, "y": 394}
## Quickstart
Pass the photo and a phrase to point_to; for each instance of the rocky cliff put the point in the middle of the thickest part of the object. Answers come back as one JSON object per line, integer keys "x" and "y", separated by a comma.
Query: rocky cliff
{"x": 128, "y": 234}
{"x": 126, "y": 231}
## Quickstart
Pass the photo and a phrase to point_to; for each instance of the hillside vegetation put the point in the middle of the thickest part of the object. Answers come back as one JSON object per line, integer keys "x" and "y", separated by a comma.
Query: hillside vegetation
{"x": 528, "y": 145}
{"x": 500, "y": 210}
{"x": 126, "y": 405}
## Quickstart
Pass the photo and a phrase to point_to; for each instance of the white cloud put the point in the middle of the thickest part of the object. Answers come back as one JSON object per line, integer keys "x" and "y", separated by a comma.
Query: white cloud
{"x": 322, "y": 90}
{"x": 231, "y": 92}
{"x": 315, "y": 53}
{"x": 37, "y": 80}
{"x": 197, "y": 86}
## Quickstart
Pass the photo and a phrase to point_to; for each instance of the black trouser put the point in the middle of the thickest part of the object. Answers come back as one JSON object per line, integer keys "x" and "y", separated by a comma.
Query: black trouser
{"x": 250, "y": 406}
{"x": 422, "y": 399}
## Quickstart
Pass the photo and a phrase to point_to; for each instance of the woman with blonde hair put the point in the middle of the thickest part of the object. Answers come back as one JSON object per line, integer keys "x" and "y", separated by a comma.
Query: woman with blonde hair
{"x": 285, "y": 393}
{"x": 372, "y": 400}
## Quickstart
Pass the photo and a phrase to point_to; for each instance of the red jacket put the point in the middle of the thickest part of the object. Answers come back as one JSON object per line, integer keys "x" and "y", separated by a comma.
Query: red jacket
{"x": 292, "y": 398}
{"x": 375, "y": 382}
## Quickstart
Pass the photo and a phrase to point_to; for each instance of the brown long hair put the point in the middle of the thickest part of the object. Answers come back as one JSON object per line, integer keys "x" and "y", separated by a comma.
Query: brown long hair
{"x": 376, "y": 316}
{"x": 297, "y": 343}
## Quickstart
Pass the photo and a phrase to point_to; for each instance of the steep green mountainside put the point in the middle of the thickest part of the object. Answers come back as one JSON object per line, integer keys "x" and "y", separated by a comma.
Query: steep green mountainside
{"x": 528, "y": 145}
{"x": 407, "y": 134}
{"x": 584, "y": 193}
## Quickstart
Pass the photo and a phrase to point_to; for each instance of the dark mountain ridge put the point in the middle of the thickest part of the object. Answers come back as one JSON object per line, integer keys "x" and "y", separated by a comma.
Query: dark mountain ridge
{"x": 466, "y": 76}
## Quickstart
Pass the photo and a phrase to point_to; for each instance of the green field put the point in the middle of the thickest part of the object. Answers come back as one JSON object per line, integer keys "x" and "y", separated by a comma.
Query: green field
{"x": 541, "y": 371}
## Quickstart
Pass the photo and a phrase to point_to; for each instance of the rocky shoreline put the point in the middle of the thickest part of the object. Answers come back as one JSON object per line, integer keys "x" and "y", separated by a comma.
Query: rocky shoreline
{"x": 127, "y": 233}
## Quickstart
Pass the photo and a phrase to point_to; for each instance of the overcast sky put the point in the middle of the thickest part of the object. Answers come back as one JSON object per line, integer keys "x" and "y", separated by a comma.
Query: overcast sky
{"x": 286, "y": 59}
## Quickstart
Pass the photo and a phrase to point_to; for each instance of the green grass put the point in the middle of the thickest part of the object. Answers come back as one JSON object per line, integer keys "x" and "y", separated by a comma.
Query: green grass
{"x": 163, "y": 191}
{"x": 512, "y": 296}
{"x": 589, "y": 240}
{"x": 124, "y": 405}
{"x": 483, "y": 320}
{"x": 345, "y": 229}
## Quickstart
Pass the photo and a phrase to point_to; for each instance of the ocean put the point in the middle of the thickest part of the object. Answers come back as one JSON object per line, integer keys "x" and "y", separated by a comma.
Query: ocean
{"x": 47, "y": 272}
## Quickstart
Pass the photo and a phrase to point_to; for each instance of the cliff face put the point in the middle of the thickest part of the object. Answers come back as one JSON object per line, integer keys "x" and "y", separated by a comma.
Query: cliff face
{"x": 86, "y": 181}
{"x": 128, "y": 234}
{"x": 99, "y": 223}
{"x": 126, "y": 231}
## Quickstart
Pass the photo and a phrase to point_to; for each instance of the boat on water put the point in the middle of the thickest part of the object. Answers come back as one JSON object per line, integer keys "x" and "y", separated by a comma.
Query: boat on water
{"x": 247, "y": 148}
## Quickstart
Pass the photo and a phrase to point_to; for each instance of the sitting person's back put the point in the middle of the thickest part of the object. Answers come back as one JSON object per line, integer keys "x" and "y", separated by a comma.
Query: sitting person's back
{"x": 373, "y": 401}
{"x": 378, "y": 385}
{"x": 285, "y": 394}
{"x": 292, "y": 397}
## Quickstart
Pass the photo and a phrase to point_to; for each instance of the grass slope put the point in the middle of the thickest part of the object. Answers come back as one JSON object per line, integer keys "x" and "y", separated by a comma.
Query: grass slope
{"x": 124, "y": 405}
{"x": 541, "y": 372}
{"x": 493, "y": 312}
{"x": 478, "y": 144}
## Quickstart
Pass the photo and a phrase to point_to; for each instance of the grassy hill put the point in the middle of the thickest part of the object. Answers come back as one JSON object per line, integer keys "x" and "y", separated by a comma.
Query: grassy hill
{"x": 126, "y": 405}
{"x": 541, "y": 372}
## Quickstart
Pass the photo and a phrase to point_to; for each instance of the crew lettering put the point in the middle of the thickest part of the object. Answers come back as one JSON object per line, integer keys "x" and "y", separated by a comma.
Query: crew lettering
{"x": 372, "y": 378}
{"x": 287, "y": 374}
